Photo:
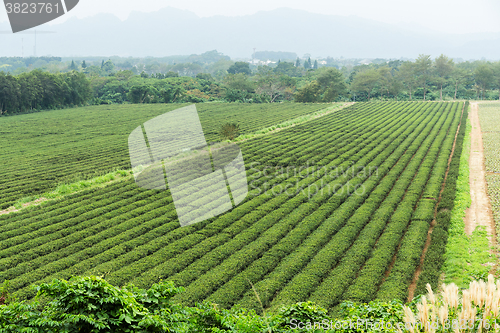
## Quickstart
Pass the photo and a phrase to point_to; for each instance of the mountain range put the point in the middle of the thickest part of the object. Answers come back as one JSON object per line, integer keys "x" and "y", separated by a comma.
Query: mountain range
{"x": 173, "y": 31}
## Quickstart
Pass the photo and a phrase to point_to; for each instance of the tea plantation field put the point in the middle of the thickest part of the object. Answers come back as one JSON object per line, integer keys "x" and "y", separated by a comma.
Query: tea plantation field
{"x": 339, "y": 207}
{"x": 44, "y": 149}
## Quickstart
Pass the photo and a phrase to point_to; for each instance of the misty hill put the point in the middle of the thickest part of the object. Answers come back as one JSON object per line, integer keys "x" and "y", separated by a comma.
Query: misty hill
{"x": 172, "y": 31}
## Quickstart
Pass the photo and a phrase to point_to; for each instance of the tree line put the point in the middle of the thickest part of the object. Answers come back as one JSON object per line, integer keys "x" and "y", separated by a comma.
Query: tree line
{"x": 423, "y": 79}
{"x": 427, "y": 79}
{"x": 39, "y": 90}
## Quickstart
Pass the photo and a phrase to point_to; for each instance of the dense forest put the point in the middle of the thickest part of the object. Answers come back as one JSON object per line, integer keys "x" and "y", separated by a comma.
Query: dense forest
{"x": 38, "y": 90}
{"x": 213, "y": 77}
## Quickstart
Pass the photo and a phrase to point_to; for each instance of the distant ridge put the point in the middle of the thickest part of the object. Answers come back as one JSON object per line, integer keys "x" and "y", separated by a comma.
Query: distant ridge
{"x": 171, "y": 31}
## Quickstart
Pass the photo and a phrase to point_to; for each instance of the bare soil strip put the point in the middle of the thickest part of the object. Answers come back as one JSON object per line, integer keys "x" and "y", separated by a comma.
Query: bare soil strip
{"x": 13, "y": 209}
{"x": 42, "y": 199}
{"x": 480, "y": 212}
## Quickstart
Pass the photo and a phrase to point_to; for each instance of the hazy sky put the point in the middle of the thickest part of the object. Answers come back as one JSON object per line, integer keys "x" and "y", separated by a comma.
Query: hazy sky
{"x": 459, "y": 16}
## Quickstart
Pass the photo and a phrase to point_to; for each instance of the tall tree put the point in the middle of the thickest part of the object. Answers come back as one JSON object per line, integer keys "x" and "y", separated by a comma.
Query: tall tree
{"x": 458, "y": 76}
{"x": 332, "y": 84}
{"x": 84, "y": 65}
{"x": 395, "y": 87}
{"x": 269, "y": 84}
{"x": 79, "y": 88}
{"x": 496, "y": 76}
{"x": 239, "y": 82}
{"x": 31, "y": 90}
{"x": 141, "y": 93}
{"x": 385, "y": 79}
{"x": 443, "y": 67}
{"x": 484, "y": 77}
{"x": 297, "y": 62}
{"x": 407, "y": 75}
{"x": 315, "y": 66}
{"x": 9, "y": 93}
{"x": 286, "y": 68}
{"x": 309, "y": 93}
{"x": 108, "y": 66}
{"x": 308, "y": 63}
{"x": 240, "y": 67}
{"x": 423, "y": 69}
{"x": 73, "y": 67}
{"x": 365, "y": 81}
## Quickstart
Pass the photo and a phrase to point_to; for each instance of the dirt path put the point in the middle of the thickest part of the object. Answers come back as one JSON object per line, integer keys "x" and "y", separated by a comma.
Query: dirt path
{"x": 479, "y": 213}
{"x": 13, "y": 209}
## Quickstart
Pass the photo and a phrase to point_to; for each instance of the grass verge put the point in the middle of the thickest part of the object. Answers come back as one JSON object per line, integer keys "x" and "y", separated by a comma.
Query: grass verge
{"x": 466, "y": 257}
{"x": 293, "y": 122}
{"x": 67, "y": 189}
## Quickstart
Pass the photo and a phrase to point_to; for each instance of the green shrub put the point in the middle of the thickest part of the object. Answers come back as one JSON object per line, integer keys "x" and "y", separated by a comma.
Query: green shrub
{"x": 229, "y": 131}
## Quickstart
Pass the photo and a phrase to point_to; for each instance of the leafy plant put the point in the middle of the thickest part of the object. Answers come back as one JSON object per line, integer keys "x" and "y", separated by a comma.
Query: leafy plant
{"x": 90, "y": 304}
{"x": 4, "y": 293}
{"x": 304, "y": 312}
{"x": 229, "y": 131}
{"x": 373, "y": 312}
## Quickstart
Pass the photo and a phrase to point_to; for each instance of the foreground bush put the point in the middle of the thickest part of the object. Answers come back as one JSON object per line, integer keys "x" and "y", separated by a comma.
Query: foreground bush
{"x": 90, "y": 304}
